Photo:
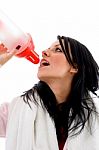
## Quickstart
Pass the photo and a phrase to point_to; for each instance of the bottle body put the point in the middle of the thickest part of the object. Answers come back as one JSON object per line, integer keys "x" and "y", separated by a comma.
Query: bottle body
{"x": 14, "y": 38}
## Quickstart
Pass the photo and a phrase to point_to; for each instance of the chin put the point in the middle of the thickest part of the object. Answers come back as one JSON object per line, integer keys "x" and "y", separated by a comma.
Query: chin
{"x": 43, "y": 78}
{"x": 42, "y": 75}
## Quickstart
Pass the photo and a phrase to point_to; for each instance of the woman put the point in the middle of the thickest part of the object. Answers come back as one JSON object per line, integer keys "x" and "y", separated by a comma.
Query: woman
{"x": 60, "y": 111}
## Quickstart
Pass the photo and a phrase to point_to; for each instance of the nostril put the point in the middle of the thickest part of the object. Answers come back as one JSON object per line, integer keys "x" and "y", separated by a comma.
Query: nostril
{"x": 44, "y": 53}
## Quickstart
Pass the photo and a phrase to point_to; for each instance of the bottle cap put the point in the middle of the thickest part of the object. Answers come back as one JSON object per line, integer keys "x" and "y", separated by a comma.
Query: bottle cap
{"x": 29, "y": 53}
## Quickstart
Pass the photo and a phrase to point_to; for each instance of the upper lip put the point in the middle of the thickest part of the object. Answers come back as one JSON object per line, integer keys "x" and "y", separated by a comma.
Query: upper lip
{"x": 44, "y": 61}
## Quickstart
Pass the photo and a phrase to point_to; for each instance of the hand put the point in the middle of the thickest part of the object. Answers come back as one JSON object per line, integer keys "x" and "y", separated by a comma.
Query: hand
{"x": 5, "y": 55}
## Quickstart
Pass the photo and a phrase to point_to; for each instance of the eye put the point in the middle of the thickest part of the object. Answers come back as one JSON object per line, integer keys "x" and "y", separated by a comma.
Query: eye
{"x": 58, "y": 49}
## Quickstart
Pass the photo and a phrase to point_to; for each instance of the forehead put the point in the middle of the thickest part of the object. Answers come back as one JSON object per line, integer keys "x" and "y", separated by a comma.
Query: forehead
{"x": 56, "y": 43}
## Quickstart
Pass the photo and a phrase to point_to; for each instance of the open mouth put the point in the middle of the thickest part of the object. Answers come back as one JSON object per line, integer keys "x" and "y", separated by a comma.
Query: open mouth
{"x": 44, "y": 63}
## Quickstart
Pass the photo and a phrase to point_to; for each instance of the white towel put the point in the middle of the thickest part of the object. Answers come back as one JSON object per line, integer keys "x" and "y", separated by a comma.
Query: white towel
{"x": 29, "y": 129}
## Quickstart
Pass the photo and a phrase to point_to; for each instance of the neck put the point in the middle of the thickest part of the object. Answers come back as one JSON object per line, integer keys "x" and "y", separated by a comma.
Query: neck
{"x": 61, "y": 90}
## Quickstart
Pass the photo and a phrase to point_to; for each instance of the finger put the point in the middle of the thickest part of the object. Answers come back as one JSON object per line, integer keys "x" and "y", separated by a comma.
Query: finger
{"x": 5, "y": 57}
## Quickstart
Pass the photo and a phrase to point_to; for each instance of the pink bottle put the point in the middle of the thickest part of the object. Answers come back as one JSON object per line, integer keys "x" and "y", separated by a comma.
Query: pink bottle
{"x": 14, "y": 38}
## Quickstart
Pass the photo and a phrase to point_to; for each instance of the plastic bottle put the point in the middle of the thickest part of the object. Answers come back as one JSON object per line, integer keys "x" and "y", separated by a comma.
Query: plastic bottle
{"x": 14, "y": 38}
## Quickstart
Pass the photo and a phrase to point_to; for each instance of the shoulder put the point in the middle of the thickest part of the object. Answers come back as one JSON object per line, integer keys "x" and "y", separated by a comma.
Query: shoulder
{"x": 96, "y": 103}
{"x": 95, "y": 117}
{"x": 18, "y": 105}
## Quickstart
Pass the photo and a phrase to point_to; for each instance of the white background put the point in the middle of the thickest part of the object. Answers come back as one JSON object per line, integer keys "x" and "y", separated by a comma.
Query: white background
{"x": 44, "y": 20}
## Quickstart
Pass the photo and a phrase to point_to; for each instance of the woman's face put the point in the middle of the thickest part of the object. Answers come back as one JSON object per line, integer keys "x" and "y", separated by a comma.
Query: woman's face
{"x": 53, "y": 64}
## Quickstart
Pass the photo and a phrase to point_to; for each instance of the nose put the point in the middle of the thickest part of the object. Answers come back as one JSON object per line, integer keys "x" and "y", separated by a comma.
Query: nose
{"x": 45, "y": 53}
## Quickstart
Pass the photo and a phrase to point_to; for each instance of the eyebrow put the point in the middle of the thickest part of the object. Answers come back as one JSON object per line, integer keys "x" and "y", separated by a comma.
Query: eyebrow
{"x": 57, "y": 44}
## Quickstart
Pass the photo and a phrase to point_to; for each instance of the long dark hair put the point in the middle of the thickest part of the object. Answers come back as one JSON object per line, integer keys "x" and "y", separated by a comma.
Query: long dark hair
{"x": 79, "y": 107}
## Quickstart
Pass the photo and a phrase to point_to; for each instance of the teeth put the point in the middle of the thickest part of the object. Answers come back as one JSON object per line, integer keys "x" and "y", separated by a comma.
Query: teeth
{"x": 45, "y": 63}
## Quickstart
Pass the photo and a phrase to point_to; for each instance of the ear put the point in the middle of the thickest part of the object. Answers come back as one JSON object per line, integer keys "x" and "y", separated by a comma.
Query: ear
{"x": 73, "y": 70}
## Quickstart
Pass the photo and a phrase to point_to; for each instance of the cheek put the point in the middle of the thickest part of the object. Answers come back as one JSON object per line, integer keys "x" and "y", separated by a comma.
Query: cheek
{"x": 61, "y": 64}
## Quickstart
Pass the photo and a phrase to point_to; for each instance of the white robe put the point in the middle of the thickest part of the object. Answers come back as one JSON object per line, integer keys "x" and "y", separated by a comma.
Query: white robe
{"x": 33, "y": 129}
